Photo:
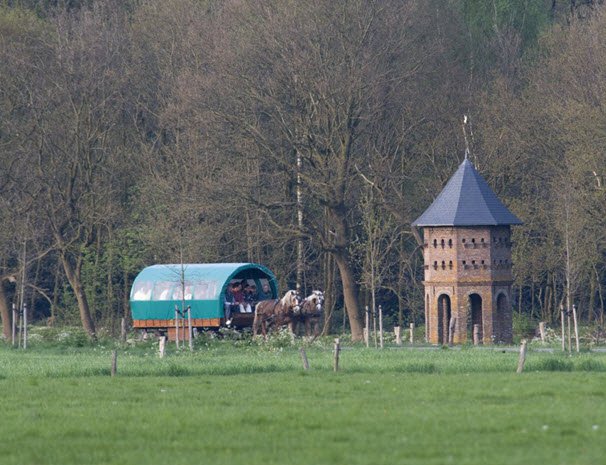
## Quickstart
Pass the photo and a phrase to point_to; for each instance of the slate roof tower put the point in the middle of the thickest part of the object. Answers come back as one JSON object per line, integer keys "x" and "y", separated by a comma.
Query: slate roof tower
{"x": 467, "y": 255}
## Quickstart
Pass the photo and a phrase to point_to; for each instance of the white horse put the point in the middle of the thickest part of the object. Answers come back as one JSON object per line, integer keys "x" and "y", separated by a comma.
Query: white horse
{"x": 312, "y": 312}
{"x": 277, "y": 312}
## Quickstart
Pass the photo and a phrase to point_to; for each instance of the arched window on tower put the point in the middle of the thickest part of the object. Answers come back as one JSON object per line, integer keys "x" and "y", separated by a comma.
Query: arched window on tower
{"x": 450, "y": 243}
{"x": 435, "y": 243}
{"x": 442, "y": 243}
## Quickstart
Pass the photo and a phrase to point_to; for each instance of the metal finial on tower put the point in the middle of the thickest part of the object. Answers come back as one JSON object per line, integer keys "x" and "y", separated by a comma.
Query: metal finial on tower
{"x": 465, "y": 137}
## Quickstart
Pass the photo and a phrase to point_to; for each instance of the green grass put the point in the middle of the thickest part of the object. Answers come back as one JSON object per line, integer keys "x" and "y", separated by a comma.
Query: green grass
{"x": 255, "y": 405}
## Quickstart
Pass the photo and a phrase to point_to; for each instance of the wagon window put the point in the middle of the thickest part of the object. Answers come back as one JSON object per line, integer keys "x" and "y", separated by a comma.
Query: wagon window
{"x": 212, "y": 289}
{"x": 142, "y": 290}
{"x": 178, "y": 295}
{"x": 162, "y": 290}
{"x": 204, "y": 290}
{"x": 201, "y": 291}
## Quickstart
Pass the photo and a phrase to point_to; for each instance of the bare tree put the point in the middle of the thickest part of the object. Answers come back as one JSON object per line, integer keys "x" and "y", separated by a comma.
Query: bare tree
{"x": 71, "y": 135}
{"x": 310, "y": 80}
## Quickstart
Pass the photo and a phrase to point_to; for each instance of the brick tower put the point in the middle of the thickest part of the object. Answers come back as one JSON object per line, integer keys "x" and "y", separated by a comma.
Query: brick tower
{"x": 467, "y": 255}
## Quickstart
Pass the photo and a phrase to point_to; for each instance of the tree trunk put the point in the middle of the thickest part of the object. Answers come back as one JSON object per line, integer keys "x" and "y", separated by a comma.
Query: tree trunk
{"x": 75, "y": 281}
{"x": 4, "y": 314}
{"x": 126, "y": 295}
{"x": 599, "y": 283}
{"x": 556, "y": 310}
{"x": 546, "y": 314}
{"x": 350, "y": 295}
{"x": 329, "y": 292}
{"x": 591, "y": 305}
{"x": 532, "y": 298}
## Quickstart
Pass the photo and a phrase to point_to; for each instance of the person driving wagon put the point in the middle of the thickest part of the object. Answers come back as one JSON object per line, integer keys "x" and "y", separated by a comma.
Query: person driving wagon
{"x": 235, "y": 301}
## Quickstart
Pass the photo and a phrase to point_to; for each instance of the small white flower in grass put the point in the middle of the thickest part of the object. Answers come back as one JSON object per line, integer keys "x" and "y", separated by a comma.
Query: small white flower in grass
{"x": 595, "y": 427}
{"x": 162, "y": 390}
{"x": 545, "y": 427}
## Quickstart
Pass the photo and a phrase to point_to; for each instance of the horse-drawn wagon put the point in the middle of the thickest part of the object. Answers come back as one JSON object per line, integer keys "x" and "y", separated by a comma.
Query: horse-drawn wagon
{"x": 161, "y": 295}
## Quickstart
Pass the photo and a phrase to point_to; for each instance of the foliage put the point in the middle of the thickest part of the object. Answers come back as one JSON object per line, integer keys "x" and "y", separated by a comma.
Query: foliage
{"x": 134, "y": 133}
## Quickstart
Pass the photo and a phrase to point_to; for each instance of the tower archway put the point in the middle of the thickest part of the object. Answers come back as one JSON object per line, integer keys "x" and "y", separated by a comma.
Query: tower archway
{"x": 444, "y": 313}
{"x": 475, "y": 314}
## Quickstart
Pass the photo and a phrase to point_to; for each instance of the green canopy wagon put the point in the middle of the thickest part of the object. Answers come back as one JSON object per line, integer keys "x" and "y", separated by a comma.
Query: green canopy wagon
{"x": 159, "y": 289}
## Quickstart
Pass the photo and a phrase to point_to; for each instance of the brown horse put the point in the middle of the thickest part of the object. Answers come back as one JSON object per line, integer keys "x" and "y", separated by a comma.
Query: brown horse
{"x": 312, "y": 312}
{"x": 277, "y": 312}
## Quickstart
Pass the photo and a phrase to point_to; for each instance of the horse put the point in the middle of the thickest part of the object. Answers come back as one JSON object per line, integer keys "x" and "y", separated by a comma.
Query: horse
{"x": 278, "y": 312}
{"x": 312, "y": 312}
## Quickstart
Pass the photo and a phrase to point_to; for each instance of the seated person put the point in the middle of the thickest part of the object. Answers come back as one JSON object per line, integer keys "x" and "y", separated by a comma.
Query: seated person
{"x": 265, "y": 293}
{"x": 234, "y": 301}
{"x": 250, "y": 297}
{"x": 238, "y": 291}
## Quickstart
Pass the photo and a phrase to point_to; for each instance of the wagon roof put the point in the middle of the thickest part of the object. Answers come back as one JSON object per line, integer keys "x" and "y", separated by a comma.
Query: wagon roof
{"x": 219, "y": 272}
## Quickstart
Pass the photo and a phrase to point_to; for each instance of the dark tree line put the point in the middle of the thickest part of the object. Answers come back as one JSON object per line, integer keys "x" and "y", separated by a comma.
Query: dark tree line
{"x": 141, "y": 132}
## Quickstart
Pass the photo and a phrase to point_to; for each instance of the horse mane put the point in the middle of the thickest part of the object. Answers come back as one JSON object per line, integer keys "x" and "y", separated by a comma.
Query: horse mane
{"x": 287, "y": 299}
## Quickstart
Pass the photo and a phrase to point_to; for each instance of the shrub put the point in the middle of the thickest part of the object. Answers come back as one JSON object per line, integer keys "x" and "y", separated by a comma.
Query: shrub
{"x": 590, "y": 364}
{"x": 523, "y": 327}
{"x": 554, "y": 364}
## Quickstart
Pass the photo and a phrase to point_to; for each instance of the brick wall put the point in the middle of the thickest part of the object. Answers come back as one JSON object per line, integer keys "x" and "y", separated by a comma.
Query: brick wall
{"x": 460, "y": 262}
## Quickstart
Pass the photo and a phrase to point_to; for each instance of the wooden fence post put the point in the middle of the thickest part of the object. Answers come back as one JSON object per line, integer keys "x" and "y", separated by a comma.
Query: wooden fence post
{"x": 177, "y": 326}
{"x": 568, "y": 312}
{"x": 374, "y": 325}
{"x": 14, "y": 323}
{"x": 20, "y": 326}
{"x": 114, "y": 369}
{"x": 304, "y": 358}
{"x": 542, "y": 330}
{"x": 24, "y": 325}
{"x": 451, "y": 330}
{"x": 366, "y": 329}
{"x": 476, "y": 334}
{"x": 162, "y": 346}
{"x": 522, "y": 358}
{"x": 381, "y": 326}
{"x": 189, "y": 330}
{"x": 412, "y": 333}
{"x": 576, "y": 327}
{"x": 337, "y": 350}
{"x": 563, "y": 329}
{"x": 398, "y": 332}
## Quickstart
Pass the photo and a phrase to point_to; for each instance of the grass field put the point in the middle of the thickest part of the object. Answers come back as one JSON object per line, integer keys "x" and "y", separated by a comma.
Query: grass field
{"x": 230, "y": 404}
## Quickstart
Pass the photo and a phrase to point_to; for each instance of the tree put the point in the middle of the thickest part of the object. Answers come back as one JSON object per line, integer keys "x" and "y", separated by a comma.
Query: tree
{"x": 312, "y": 80}
{"x": 69, "y": 131}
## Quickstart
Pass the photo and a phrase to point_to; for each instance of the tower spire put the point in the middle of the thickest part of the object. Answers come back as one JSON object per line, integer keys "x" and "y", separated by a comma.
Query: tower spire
{"x": 465, "y": 137}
